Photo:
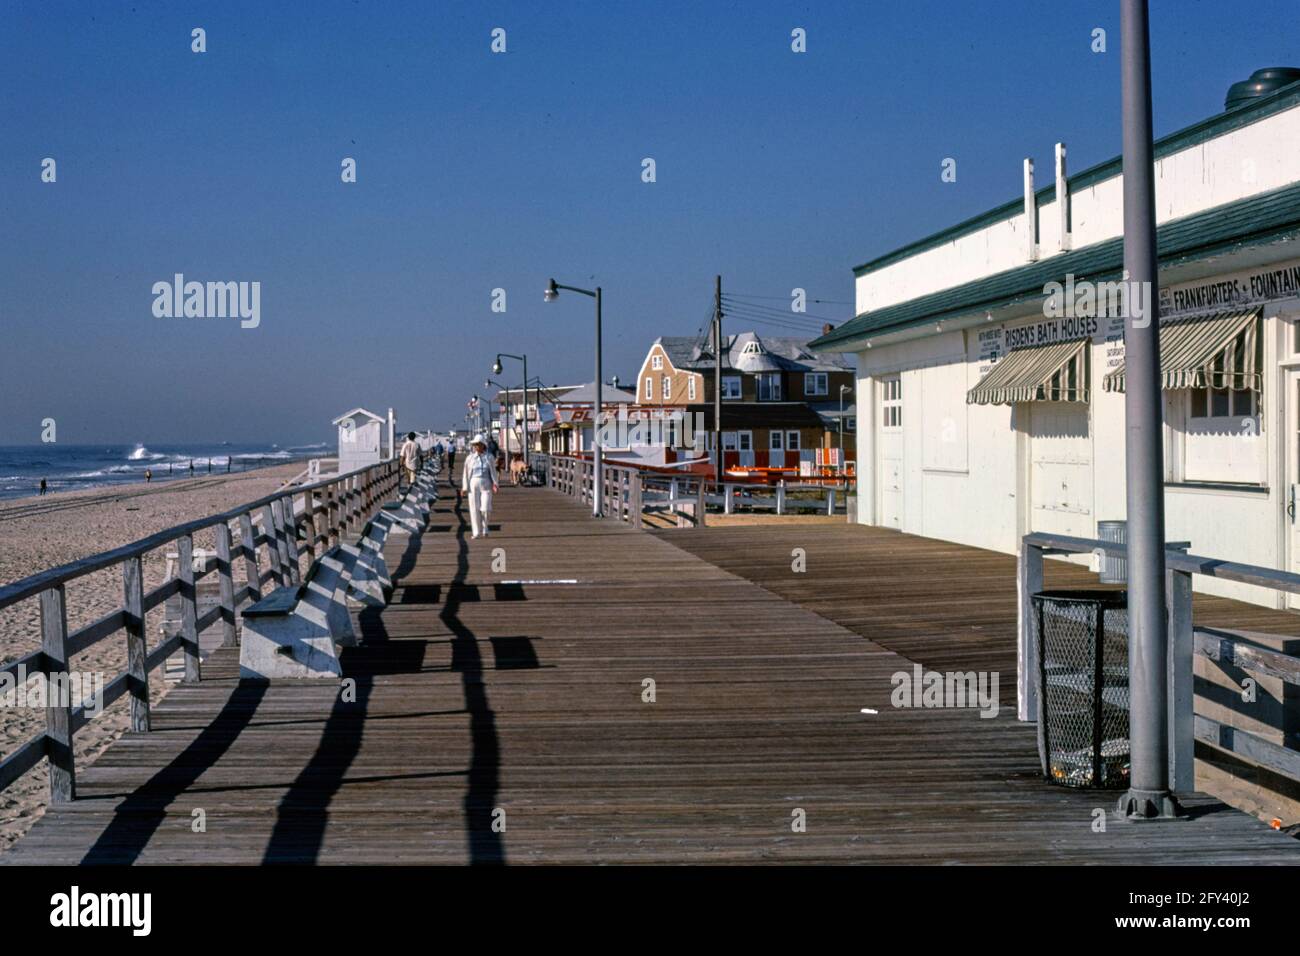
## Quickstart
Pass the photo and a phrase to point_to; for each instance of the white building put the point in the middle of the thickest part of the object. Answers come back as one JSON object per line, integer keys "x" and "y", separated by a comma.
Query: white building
{"x": 364, "y": 438}
{"x": 988, "y": 410}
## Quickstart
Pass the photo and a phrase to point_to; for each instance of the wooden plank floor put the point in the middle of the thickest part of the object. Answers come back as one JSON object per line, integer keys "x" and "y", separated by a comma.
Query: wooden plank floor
{"x": 483, "y": 701}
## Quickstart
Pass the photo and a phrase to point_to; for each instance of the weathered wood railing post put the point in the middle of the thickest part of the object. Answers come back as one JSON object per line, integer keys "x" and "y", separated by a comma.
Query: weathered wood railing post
{"x": 189, "y": 615}
{"x": 728, "y": 503}
{"x": 251, "y": 571}
{"x": 289, "y": 539}
{"x": 333, "y": 516}
{"x": 634, "y": 503}
{"x": 780, "y": 497}
{"x": 830, "y": 500}
{"x": 137, "y": 648}
{"x": 700, "y": 505}
{"x": 311, "y": 525}
{"x": 271, "y": 531}
{"x": 1029, "y": 581}
{"x": 58, "y": 711}
{"x": 1182, "y": 742}
{"x": 225, "y": 584}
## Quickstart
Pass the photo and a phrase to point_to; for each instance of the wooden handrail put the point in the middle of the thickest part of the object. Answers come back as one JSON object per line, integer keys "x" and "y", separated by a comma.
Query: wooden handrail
{"x": 282, "y": 527}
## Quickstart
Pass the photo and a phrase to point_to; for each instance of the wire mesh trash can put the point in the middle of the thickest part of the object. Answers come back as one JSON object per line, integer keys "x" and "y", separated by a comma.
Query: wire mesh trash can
{"x": 1083, "y": 687}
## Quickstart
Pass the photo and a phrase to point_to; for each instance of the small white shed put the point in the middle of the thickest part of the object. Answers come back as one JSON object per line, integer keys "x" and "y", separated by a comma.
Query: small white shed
{"x": 361, "y": 439}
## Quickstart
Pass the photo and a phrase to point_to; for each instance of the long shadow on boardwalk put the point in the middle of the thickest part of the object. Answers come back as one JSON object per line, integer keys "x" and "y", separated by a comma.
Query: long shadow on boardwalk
{"x": 485, "y": 846}
{"x": 142, "y": 813}
{"x": 303, "y": 813}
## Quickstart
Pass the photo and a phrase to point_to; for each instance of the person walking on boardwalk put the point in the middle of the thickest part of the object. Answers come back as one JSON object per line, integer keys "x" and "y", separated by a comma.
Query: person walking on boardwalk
{"x": 451, "y": 464}
{"x": 479, "y": 481}
{"x": 410, "y": 457}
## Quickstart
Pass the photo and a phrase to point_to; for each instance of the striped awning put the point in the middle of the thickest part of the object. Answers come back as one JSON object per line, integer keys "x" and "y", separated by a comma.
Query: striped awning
{"x": 1220, "y": 350}
{"x": 1040, "y": 373}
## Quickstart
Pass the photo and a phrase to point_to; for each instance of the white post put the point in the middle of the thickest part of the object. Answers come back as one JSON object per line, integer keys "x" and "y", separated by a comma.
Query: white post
{"x": 1062, "y": 199}
{"x": 1031, "y": 213}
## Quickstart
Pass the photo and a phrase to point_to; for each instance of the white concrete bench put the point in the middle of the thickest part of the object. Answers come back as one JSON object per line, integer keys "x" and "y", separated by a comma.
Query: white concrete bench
{"x": 294, "y": 630}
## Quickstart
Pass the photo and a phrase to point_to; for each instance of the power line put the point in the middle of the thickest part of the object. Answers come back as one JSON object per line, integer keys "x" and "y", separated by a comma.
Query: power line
{"x": 780, "y": 313}
{"x": 784, "y": 298}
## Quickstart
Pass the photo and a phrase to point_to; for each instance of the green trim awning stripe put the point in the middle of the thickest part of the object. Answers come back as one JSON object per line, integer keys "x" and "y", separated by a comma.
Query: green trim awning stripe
{"x": 1039, "y": 373}
{"x": 1220, "y": 350}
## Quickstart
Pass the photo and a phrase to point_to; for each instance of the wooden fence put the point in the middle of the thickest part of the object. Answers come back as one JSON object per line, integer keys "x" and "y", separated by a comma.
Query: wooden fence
{"x": 630, "y": 493}
{"x": 283, "y": 528}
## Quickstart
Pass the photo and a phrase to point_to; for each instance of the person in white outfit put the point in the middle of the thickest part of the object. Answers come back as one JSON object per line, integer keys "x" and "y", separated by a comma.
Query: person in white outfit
{"x": 479, "y": 482}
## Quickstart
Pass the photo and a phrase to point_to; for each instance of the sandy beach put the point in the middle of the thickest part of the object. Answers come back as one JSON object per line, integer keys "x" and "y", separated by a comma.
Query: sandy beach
{"x": 40, "y": 533}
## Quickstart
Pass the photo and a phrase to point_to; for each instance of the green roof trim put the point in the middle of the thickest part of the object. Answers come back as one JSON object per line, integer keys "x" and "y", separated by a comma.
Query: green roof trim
{"x": 1244, "y": 222}
{"x": 1216, "y": 125}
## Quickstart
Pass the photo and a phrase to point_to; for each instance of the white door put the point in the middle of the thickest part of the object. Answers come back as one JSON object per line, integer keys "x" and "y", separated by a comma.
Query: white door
{"x": 1291, "y": 502}
{"x": 1060, "y": 469}
{"x": 889, "y": 439}
{"x": 745, "y": 449}
{"x": 776, "y": 449}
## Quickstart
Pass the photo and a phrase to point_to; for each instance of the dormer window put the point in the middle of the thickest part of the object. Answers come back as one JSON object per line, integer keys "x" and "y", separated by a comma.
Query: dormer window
{"x": 752, "y": 348}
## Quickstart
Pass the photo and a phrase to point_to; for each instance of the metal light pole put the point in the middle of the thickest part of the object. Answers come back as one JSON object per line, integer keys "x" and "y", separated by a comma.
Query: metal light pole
{"x": 496, "y": 368}
{"x": 1148, "y": 796}
{"x": 552, "y": 293}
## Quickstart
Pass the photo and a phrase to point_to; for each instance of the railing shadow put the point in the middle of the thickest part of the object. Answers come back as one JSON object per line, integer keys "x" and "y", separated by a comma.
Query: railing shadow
{"x": 141, "y": 814}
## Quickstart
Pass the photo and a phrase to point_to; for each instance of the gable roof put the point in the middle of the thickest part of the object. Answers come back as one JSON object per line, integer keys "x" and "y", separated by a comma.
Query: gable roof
{"x": 359, "y": 411}
{"x": 1217, "y": 125}
{"x": 773, "y": 353}
{"x": 1260, "y": 219}
{"x": 586, "y": 394}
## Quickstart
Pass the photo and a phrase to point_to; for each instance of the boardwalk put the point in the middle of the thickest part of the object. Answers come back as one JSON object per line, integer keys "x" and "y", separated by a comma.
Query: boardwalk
{"x": 514, "y": 696}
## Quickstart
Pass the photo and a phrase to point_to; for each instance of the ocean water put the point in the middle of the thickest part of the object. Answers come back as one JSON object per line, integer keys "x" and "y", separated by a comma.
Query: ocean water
{"x": 74, "y": 467}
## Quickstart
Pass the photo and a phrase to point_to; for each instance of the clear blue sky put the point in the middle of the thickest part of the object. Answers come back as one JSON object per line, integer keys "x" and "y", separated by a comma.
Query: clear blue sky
{"x": 479, "y": 170}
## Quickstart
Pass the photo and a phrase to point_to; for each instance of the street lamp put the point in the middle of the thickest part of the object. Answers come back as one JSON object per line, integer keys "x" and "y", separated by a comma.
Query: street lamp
{"x": 496, "y": 370}
{"x": 843, "y": 389}
{"x": 550, "y": 295}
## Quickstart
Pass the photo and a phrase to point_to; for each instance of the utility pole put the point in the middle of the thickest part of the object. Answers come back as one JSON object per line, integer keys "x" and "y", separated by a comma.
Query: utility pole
{"x": 717, "y": 377}
{"x": 1148, "y": 796}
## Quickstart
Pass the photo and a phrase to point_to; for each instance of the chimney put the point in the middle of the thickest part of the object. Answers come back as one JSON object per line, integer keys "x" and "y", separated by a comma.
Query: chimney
{"x": 1031, "y": 213}
{"x": 1064, "y": 242}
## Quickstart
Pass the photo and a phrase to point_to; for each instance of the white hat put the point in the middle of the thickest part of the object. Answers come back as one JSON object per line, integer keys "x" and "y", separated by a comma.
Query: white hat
{"x": 478, "y": 440}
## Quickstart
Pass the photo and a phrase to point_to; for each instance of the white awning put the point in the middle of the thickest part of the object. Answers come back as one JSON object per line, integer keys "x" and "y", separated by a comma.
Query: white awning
{"x": 1207, "y": 351}
{"x": 1040, "y": 373}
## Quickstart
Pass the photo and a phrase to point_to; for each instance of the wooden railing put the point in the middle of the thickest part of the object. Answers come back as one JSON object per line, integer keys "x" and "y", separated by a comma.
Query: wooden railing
{"x": 1186, "y": 640}
{"x": 630, "y": 493}
{"x": 283, "y": 528}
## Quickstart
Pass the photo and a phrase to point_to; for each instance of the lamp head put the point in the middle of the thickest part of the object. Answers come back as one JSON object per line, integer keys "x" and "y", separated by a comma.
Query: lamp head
{"x": 496, "y": 366}
{"x": 551, "y": 293}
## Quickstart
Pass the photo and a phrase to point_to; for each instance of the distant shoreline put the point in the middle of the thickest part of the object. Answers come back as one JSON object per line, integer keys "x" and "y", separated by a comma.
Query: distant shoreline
{"x": 78, "y": 468}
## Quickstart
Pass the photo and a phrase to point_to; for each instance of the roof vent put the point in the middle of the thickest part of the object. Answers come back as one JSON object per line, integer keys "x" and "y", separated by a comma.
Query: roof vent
{"x": 1261, "y": 83}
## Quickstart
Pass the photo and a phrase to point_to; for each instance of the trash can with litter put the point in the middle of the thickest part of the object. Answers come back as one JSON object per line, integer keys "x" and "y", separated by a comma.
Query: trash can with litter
{"x": 1083, "y": 687}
